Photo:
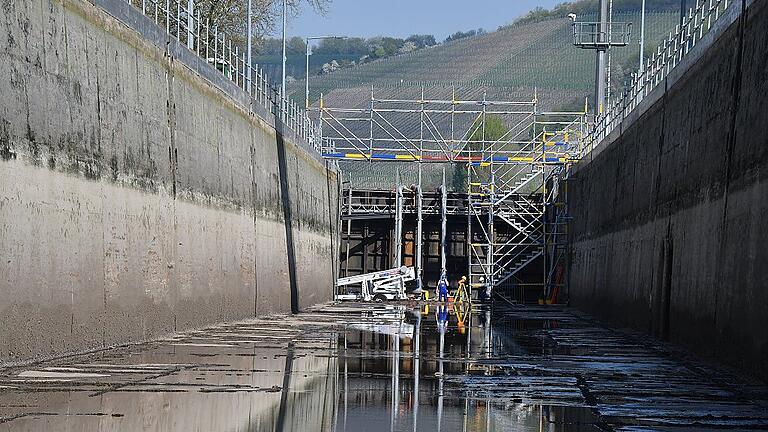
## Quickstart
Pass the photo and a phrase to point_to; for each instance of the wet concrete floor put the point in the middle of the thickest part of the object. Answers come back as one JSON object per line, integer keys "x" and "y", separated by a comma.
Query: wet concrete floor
{"x": 375, "y": 367}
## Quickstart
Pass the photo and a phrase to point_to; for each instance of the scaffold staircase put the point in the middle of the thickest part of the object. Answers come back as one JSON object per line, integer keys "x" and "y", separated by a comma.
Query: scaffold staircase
{"x": 525, "y": 243}
{"x": 510, "y": 223}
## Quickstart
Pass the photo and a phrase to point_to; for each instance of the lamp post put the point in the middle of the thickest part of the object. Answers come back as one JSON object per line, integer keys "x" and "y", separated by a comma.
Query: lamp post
{"x": 642, "y": 36}
{"x": 250, "y": 44}
{"x": 306, "y": 79}
{"x": 682, "y": 11}
{"x": 282, "y": 86}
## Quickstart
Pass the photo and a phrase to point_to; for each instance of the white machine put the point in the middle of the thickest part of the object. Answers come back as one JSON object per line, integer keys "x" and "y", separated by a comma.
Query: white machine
{"x": 378, "y": 286}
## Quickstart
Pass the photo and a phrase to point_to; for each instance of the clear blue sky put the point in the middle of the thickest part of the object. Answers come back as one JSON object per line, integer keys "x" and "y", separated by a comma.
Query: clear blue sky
{"x": 366, "y": 18}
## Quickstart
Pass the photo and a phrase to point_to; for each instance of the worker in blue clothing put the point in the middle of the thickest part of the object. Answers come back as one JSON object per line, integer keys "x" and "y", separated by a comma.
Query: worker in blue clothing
{"x": 442, "y": 289}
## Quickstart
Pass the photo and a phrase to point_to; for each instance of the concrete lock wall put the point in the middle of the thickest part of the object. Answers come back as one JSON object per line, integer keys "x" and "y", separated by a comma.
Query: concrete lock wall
{"x": 141, "y": 193}
{"x": 669, "y": 231}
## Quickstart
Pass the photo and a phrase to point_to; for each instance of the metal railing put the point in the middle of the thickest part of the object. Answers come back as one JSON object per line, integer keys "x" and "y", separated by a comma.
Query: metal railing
{"x": 379, "y": 202}
{"x": 667, "y": 56}
{"x": 600, "y": 35}
{"x": 183, "y": 22}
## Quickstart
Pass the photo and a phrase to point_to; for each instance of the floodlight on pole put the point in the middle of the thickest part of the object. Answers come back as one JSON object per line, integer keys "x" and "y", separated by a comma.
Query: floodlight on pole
{"x": 306, "y": 78}
{"x": 285, "y": 23}
{"x": 642, "y": 36}
{"x": 250, "y": 44}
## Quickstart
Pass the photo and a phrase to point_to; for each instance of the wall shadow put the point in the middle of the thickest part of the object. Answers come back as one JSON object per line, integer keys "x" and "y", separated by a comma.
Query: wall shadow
{"x": 285, "y": 197}
{"x": 288, "y": 370}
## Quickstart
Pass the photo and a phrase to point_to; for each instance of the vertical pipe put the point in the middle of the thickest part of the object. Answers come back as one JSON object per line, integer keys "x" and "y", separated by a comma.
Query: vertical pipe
{"x": 642, "y": 36}
{"x": 488, "y": 153}
{"x": 600, "y": 73}
{"x": 441, "y": 378}
{"x": 198, "y": 25}
{"x": 237, "y": 66}
{"x": 370, "y": 136}
{"x": 454, "y": 153}
{"x": 544, "y": 201}
{"x": 567, "y": 238}
{"x": 682, "y": 11}
{"x": 419, "y": 235}
{"x": 190, "y": 24}
{"x": 285, "y": 23}
{"x": 421, "y": 124}
{"x": 349, "y": 232}
{"x": 395, "y": 404}
{"x": 609, "y": 56}
{"x": 399, "y": 226}
{"x": 250, "y": 43}
{"x": 443, "y": 223}
{"x": 416, "y": 366}
{"x": 489, "y": 259}
{"x": 469, "y": 226}
{"x": 320, "y": 124}
{"x": 306, "y": 80}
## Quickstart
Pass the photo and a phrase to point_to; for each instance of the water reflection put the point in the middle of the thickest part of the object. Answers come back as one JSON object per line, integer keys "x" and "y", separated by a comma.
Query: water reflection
{"x": 389, "y": 368}
{"x": 411, "y": 375}
{"x": 376, "y": 367}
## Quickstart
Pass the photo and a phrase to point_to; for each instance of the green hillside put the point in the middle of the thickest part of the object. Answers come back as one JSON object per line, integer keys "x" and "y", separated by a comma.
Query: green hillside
{"x": 534, "y": 55}
{"x": 537, "y": 54}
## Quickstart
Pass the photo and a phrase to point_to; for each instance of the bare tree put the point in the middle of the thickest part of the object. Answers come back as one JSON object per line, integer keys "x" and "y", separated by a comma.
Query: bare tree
{"x": 231, "y": 16}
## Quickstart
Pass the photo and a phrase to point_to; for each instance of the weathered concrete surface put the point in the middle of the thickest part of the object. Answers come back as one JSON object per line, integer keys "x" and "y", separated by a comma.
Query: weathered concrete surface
{"x": 141, "y": 193}
{"x": 669, "y": 231}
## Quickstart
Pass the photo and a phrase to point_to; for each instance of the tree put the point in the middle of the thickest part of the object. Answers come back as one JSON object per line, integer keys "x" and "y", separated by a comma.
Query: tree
{"x": 384, "y": 46}
{"x": 422, "y": 41}
{"x": 342, "y": 47}
{"x": 461, "y": 35}
{"x": 494, "y": 130}
{"x": 408, "y": 47}
{"x": 296, "y": 45}
{"x": 231, "y": 16}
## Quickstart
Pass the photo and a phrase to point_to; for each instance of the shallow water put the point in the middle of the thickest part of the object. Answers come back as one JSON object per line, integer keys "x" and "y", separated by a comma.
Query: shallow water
{"x": 374, "y": 367}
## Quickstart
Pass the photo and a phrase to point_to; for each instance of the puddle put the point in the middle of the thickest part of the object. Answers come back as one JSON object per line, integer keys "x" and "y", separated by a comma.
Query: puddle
{"x": 407, "y": 380}
{"x": 377, "y": 367}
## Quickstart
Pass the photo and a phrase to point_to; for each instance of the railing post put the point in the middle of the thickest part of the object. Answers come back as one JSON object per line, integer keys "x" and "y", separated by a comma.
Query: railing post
{"x": 190, "y": 24}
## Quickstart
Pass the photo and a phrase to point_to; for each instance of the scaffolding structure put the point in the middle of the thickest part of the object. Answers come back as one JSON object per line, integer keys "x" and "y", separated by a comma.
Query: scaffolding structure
{"x": 514, "y": 155}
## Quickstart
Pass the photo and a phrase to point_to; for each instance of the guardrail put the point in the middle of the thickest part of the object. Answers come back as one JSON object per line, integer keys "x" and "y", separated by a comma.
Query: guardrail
{"x": 667, "y": 56}
{"x": 594, "y": 35}
{"x": 182, "y": 21}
